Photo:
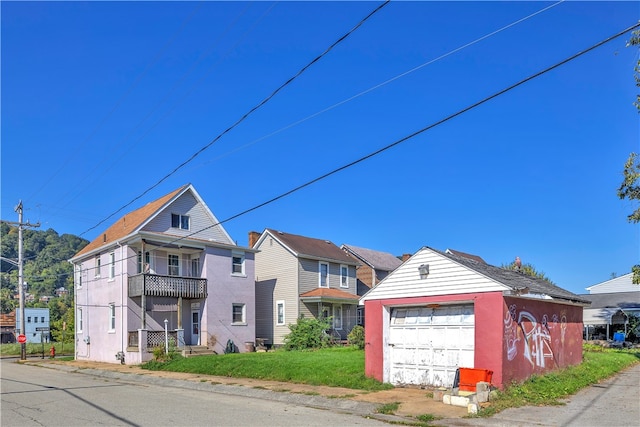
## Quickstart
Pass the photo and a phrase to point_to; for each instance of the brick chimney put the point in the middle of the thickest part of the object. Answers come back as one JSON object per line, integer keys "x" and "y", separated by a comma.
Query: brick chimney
{"x": 405, "y": 257}
{"x": 253, "y": 238}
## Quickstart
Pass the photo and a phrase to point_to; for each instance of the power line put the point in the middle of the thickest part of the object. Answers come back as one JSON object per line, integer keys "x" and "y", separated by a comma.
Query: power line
{"x": 182, "y": 78}
{"x": 399, "y": 141}
{"x": 384, "y": 83}
{"x": 120, "y": 101}
{"x": 247, "y": 114}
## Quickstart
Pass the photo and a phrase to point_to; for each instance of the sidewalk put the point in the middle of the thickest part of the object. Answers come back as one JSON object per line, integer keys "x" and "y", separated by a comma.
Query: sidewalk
{"x": 611, "y": 403}
{"x": 614, "y": 402}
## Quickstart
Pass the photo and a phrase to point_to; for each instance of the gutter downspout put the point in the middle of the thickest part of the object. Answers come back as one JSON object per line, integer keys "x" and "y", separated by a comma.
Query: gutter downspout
{"x": 123, "y": 329}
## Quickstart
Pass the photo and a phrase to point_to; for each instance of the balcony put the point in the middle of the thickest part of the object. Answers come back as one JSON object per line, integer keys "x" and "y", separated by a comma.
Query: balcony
{"x": 167, "y": 286}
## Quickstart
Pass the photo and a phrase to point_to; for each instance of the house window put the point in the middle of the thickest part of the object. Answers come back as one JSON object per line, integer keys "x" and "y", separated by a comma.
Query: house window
{"x": 237, "y": 263}
{"x": 173, "y": 263}
{"x": 98, "y": 261}
{"x": 112, "y": 317}
{"x": 79, "y": 271}
{"x": 344, "y": 276}
{"x": 112, "y": 265}
{"x": 28, "y": 319}
{"x": 35, "y": 319}
{"x": 280, "y": 312}
{"x": 42, "y": 320}
{"x": 238, "y": 314}
{"x": 324, "y": 275}
{"x": 360, "y": 316}
{"x": 79, "y": 320}
{"x": 180, "y": 221}
{"x": 337, "y": 317}
{"x": 195, "y": 267}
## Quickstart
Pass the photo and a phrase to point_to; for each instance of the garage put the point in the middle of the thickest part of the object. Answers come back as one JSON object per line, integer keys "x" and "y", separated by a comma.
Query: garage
{"x": 440, "y": 311}
{"x": 428, "y": 344}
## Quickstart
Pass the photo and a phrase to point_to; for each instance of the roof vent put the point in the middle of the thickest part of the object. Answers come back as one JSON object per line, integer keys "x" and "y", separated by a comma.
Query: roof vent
{"x": 104, "y": 237}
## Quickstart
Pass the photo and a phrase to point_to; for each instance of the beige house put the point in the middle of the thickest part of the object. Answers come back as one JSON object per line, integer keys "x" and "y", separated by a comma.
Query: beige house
{"x": 301, "y": 276}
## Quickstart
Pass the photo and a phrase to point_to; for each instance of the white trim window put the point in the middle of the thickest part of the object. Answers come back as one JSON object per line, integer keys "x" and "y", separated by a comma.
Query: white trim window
{"x": 173, "y": 264}
{"x": 323, "y": 275}
{"x": 238, "y": 314}
{"x": 112, "y": 265}
{"x": 237, "y": 263}
{"x": 79, "y": 275}
{"x": 337, "y": 317}
{"x": 344, "y": 276}
{"x": 195, "y": 267}
{"x": 98, "y": 265}
{"x": 280, "y": 319}
{"x": 180, "y": 221}
{"x": 112, "y": 317}
{"x": 79, "y": 319}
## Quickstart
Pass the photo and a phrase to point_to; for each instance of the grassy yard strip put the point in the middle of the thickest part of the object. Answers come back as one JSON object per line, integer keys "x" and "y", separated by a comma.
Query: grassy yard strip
{"x": 547, "y": 389}
{"x": 13, "y": 349}
{"x": 335, "y": 367}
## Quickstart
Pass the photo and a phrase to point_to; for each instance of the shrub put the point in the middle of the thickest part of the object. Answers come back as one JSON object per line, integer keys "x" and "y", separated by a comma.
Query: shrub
{"x": 160, "y": 356}
{"x": 308, "y": 334}
{"x": 356, "y": 337}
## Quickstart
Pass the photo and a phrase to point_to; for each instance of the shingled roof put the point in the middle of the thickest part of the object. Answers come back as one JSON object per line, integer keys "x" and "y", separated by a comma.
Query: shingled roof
{"x": 309, "y": 247}
{"x": 515, "y": 280}
{"x": 129, "y": 223}
{"x": 374, "y": 259}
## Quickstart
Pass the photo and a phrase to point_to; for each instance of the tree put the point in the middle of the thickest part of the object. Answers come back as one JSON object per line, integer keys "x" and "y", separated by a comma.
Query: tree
{"x": 528, "y": 270}
{"x": 630, "y": 187}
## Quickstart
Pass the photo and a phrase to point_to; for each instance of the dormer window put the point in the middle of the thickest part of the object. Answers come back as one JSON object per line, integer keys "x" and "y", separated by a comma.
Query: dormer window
{"x": 180, "y": 221}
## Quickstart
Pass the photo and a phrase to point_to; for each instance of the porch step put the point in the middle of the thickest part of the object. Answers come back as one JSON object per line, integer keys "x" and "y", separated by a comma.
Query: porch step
{"x": 196, "y": 350}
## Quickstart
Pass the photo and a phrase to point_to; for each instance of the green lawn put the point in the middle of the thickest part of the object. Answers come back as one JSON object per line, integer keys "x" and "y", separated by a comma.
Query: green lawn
{"x": 344, "y": 367}
{"x": 336, "y": 367}
{"x": 36, "y": 349}
{"x": 597, "y": 365}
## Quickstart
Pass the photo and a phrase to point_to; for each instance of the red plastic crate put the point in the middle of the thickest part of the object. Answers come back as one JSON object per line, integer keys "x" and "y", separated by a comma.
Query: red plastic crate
{"x": 469, "y": 377}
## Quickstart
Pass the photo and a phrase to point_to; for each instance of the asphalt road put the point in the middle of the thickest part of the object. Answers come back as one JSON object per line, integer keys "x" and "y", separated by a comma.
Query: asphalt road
{"x": 36, "y": 396}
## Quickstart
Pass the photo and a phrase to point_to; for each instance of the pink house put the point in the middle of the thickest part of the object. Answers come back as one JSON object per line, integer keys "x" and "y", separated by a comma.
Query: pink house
{"x": 440, "y": 311}
{"x": 166, "y": 273}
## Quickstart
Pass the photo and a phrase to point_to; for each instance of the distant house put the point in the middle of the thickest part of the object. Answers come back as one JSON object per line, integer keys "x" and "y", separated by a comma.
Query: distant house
{"x": 61, "y": 292}
{"x": 612, "y": 302}
{"x": 169, "y": 264}
{"x": 301, "y": 276}
{"x": 438, "y": 312}
{"x": 8, "y": 327}
{"x": 374, "y": 267}
{"x": 36, "y": 328}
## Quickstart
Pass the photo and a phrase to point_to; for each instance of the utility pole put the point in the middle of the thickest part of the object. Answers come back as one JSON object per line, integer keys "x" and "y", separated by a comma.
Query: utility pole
{"x": 21, "y": 225}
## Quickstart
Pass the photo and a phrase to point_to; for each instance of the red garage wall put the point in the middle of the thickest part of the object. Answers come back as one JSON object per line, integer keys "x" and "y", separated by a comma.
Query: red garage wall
{"x": 488, "y": 310}
{"x": 514, "y": 337}
{"x": 539, "y": 336}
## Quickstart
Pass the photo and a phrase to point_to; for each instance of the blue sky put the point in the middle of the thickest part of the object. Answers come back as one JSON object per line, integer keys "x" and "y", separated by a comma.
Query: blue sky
{"x": 101, "y": 100}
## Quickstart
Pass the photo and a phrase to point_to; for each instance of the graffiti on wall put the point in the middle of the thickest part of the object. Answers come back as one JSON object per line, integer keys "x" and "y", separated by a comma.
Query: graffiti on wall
{"x": 534, "y": 335}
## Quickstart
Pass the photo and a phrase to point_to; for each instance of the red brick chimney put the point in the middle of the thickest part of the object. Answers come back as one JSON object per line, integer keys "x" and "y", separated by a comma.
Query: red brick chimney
{"x": 253, "y": 238}
{"x": 405, "y": 257}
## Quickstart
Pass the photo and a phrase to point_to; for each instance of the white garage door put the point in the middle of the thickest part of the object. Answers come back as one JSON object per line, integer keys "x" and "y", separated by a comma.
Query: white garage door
{"x": 427, "y": 345}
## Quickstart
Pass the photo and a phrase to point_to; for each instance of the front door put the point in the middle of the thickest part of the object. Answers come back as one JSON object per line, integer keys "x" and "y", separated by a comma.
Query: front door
{"x": 195, "y": 327}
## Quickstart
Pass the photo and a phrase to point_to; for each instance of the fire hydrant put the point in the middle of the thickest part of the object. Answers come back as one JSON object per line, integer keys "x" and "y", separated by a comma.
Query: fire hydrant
{"x": 52, "y": 352}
